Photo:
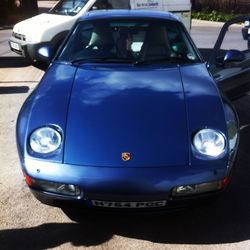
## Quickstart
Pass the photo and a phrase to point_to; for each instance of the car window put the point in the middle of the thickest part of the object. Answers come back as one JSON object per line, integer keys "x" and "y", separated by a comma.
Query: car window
{"x": 131, "y": 40}
{"x": 234, "y": 40}
{"x": 102, "y": 4}
{"x": 230, "y": 60}
{"x": 110, "y": 4}
{"x": 234, "y": 43}
{"x": 68, "y": 7}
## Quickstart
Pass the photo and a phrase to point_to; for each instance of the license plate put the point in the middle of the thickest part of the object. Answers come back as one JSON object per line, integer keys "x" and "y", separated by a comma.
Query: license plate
{"x": 124, "y": 204}
{"x": 15, "y": 46}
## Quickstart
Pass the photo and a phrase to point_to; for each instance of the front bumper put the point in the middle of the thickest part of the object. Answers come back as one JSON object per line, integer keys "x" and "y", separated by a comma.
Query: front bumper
{"x": 25, "y": 49}
{"x": 121, "y": 184}
{"x": 86, "y": 204}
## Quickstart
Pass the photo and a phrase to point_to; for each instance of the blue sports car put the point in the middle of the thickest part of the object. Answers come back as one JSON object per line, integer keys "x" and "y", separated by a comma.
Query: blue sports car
{"x": 127, "y": 117}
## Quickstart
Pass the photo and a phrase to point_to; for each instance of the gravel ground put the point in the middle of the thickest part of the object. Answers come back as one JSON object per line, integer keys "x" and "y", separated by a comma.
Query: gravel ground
{"x": 27, "y": 224}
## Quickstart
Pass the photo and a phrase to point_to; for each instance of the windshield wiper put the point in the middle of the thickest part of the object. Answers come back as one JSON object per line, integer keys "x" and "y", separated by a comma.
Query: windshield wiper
{"x": 168, "y": 60}
{"x": 86, "y": 60}
{"x": 99, "y": 60}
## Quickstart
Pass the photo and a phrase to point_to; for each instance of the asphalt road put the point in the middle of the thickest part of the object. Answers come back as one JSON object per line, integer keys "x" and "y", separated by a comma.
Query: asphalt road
{"x": 27, "y": 224}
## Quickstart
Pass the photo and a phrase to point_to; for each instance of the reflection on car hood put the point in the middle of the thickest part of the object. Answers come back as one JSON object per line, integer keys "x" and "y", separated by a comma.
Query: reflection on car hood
{"x": 127, "y": 110}
{"x": 147, "y": 112}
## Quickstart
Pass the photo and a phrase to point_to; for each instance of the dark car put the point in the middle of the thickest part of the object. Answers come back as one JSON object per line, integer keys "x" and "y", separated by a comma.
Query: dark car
{"x": 127, "y": 116}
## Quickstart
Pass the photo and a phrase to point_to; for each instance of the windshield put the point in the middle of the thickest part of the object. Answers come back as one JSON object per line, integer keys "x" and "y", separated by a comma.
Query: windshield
{"x": 129, "y": 41}
{"x": 68, "y": 7}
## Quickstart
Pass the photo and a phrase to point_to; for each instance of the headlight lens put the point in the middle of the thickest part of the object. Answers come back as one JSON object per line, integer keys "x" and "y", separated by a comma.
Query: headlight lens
{"x": 45, "y": 140}
{"x": 247, "y": 23}
{"x": 209, "y": 142}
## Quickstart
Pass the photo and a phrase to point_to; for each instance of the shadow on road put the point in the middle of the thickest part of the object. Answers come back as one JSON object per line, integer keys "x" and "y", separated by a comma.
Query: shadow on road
{"x": 14, "y": 90}
{"x": 19, "y": 62}
{"x": 15, "y": 62}
{"x": 225, "y": 221}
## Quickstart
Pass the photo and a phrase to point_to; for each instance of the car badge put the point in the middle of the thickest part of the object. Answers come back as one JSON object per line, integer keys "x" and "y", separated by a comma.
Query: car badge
{"x": 126, "y": 156}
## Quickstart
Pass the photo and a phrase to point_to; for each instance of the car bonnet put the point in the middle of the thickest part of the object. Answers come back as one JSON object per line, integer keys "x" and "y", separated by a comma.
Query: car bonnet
{"x": 36, "y": 25}
{"x": 135, "y": 112}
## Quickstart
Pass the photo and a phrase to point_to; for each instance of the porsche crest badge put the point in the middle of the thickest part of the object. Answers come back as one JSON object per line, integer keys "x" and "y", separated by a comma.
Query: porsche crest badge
{"x": 126, "y": 156}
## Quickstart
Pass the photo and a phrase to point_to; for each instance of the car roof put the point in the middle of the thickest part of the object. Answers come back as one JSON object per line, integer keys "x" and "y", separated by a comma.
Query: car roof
{"x": 107, "y": 14}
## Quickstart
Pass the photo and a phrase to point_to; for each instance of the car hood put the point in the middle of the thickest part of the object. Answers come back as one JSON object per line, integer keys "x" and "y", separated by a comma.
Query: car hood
{"x": 106, "y": 111}
{"x": 39, "y": 23}
{"x": 137, "y": 111}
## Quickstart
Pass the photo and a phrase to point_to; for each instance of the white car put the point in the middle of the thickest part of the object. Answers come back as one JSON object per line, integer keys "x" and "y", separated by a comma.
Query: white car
{"x": 52, "y": 27}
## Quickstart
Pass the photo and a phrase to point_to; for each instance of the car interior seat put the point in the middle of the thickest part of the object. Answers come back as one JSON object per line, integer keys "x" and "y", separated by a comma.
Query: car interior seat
{"x": 156, "y": 44}
{"x": 101, "y": 38}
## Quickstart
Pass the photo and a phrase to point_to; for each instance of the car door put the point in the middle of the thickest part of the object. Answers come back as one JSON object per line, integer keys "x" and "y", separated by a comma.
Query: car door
{"x": 229, "y": 62}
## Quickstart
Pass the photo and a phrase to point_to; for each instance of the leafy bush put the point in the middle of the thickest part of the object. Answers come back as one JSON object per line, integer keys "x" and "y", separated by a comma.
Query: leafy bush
{"x": 214, "y": 15}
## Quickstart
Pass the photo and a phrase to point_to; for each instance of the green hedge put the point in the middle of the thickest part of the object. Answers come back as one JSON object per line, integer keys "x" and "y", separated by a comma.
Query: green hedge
{"x": 214, "y": 15}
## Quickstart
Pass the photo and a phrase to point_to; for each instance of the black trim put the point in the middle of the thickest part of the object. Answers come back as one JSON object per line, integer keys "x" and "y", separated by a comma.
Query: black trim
{"x": 182, "y": 11}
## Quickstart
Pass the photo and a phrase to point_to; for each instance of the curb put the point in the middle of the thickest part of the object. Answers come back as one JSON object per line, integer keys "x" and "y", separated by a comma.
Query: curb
{"x": 198, "y": 22}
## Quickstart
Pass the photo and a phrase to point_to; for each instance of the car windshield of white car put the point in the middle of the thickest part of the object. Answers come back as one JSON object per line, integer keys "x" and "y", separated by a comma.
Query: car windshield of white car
{"x": 68, "y": 7}
{"x": 137, "y": 41}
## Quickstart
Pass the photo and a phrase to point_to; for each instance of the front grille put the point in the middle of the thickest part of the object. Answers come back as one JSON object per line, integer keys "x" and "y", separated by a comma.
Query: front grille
{"x": 19, "y": 36}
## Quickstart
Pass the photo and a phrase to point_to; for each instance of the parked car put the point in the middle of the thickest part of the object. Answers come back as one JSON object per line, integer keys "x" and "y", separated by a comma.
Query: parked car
{"x": 52, "y": 27}
{"x": 127, "y": 116}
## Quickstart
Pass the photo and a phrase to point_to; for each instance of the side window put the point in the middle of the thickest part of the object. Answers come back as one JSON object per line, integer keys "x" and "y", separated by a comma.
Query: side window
{"x": 80, "y": 38}
{"x": 68, "y": 7}
{"x": 230, "y": 59}
{"x": 179, "y": 44}
{"x": 120, "y": 4}
{"x": 233, "y": 53}
{"x": 234, "y": 38}
{"x": 111, "y": 4}
{"x": 233, "y": 41}
{"x": 102, "y": 5}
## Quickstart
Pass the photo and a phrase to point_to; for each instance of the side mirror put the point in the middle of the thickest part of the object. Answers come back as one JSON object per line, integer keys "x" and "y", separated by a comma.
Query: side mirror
{"x": 233, "y": 56}
{"x": 45, "y": 54}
